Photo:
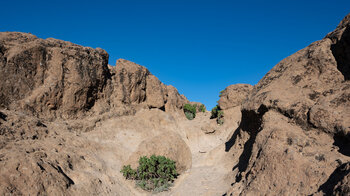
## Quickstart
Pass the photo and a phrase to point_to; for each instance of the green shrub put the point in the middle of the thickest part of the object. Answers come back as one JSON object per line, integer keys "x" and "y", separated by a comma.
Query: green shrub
{"x": 202, "y": 108}
{"x": 190, "y": 111}
{"x": 189, "y": 115}
{"x": 128, "y": 172}
{"x": 220, "y": 121}
{"x": 153, "y": 174}
{"x": 220, "y": 113}
{"x": 217, "y": 113}
{"x": 214, "y": 112}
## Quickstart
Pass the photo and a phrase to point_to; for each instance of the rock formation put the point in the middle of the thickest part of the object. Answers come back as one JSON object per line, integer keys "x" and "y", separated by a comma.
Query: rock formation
{"x": 234, "y": 95}
{"x": 69, "y": 122}
{"x": 53, "y": 78}
{"x": 132, "y": 84}
{"x": 295, "y": 124}
{"x": 58, "y": 100}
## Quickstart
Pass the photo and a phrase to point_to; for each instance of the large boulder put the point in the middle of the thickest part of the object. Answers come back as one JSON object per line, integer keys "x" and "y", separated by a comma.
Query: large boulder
{"x": 234, "y": 95}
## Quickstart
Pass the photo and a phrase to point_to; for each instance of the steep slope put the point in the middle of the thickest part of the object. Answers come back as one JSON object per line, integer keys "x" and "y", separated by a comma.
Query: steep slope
{"x": 295, "y": 123}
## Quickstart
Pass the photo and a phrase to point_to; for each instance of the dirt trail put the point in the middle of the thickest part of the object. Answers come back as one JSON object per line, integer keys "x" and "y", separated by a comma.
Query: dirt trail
{"x": 210, "y": 163}
{"x": 117, "y": 141}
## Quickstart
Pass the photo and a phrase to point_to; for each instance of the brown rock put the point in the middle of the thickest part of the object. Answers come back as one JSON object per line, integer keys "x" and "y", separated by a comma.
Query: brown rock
{"x": 49, "y": 77}
{"x": 133, "y": 84}
{"x": 339, "y": 181}
{"x": 52, "y": 78}
{"x": 296, "y": 122}
{"x": 210, "y": 127}
{"x": 57, "y": 96}
{"x": 293, "y": 137}
{"x": 234, "y": 95}
{"x": 174, "y": 101}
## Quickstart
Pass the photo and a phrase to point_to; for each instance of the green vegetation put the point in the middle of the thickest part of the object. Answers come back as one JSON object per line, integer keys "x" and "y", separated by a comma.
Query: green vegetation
{"x": 128, "y": 172}
{"x": 202, "y": 108}
{"x": 153, "y": 174}
{"x": 217, "y": 113}
{"x": 221, "y": 93}
{"x": 190, "y": 111}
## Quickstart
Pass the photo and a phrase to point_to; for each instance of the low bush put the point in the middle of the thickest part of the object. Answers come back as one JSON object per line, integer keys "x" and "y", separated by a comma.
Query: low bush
{"x": 153, "y": 174}
{"x": 189, "y": 115}
{"x": 128, "y": 172}
{"x": 202, "y": 108}
{"x": 190, "y": 111}
{"x": 217, "y": 113}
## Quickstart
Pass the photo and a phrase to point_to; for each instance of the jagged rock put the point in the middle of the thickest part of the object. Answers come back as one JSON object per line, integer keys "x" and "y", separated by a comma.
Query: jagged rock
{"x": 296, "y": 121}
{"x": 310, "y": 86}
{"x": 52, "y": 78}
{"x": 338, "y": 183}
{"x": 49, "y": 77}
{"x": 133, "y": 84}
{"x": 54, "y": 98}
{"x": 174, "y": 101}
{"x": 234, "y": 95}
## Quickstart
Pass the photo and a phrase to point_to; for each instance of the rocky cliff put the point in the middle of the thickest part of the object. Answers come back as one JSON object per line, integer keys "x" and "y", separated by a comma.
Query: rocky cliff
{"x": 52, "y": 78}
{"x": 68, "y": 120}
{"x": 295, "y": 126}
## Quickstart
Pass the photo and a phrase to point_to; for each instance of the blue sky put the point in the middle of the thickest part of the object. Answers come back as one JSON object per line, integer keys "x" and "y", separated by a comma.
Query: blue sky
{"x": 200, "y": 47}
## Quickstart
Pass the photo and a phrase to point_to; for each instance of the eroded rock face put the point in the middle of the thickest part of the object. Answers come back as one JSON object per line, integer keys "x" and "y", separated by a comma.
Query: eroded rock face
{"x": 296, "y": 122}
{"x": 52, "y": 78}
{"x": 234, "y": 95}
{"x": 339, "y": 181}
{"x": 133, "y": 84}
{"x": 49, "y": 77}
{"x": 61, "y": 118}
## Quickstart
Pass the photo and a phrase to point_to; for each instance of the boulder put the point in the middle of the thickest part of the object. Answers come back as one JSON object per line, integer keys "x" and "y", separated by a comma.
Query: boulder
{"x": 234, "y": 95}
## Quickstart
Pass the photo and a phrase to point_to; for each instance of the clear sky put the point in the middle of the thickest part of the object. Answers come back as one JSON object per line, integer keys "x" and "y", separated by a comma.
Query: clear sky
{"x": 200, "y": 47}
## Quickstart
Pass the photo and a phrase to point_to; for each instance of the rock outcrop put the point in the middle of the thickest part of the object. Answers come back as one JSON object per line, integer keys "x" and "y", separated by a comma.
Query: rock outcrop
{"x": 52, "y": 78}
{"x": 132, "y": 84}
{"x": 234, "y": 95}
{"x": 68, "y": 120}
{"x": 295, "y": 123}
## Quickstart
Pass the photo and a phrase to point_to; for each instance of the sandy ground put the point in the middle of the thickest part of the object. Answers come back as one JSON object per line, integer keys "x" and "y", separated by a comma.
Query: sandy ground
{"x": 118, "y": 140}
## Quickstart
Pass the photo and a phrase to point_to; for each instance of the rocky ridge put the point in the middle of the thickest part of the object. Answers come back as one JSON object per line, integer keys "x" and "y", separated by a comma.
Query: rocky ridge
{"x": 295, "y": 123}
{"x": 58, "y": 79}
